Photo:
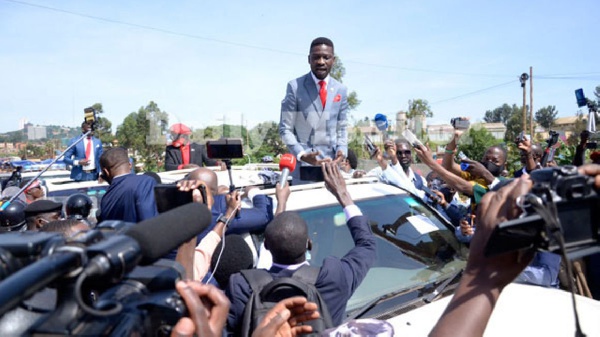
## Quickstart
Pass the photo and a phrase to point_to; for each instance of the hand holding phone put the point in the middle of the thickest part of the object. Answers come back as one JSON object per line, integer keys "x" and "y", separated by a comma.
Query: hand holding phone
{"x": 411, "y": 138}
{"x": 170, "y": 196}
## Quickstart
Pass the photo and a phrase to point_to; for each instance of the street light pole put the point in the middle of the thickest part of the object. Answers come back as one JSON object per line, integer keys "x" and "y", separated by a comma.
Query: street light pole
{"x": 531, "y": 103}
{"x": 524, "y": 77}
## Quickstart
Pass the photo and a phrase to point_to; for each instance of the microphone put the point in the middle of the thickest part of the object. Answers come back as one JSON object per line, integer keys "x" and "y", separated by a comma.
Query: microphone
{"x": 287, "y": 164}
{"x": 148, "y": 241}
{"x": 144, "y": 242}
{"x": 382, "y": 124}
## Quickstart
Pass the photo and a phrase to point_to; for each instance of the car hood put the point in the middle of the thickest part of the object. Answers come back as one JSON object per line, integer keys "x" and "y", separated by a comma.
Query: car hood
{"x": 522, "y": 310}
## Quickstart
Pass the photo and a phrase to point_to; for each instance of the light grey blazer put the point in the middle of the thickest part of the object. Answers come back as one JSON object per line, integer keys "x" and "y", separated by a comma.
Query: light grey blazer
{"x": 305, "y": 125}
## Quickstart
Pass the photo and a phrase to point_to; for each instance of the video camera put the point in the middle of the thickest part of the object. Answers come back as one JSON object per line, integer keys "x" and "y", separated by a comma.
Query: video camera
{"x": 90, "y": 116}
{"x": 561, "y": 203}
{"x": 460, "y": 123}
{"x": 108, "y": 281}
{"x": 370, "y": 147}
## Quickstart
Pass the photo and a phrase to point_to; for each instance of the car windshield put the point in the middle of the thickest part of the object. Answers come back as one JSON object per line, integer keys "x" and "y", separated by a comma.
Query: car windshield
{"x": 414, "y": 247}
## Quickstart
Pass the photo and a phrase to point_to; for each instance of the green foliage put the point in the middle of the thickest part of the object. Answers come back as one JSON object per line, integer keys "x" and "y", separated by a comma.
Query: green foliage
{"x": 144, "y": 134}
{"x": 546, "y": 116}
{"x": 564, "y": 154}
{"x": 475, "y": 142}
{"x": 103, "y": 128}
{"x": 355, "y": 143}
{"x": 419, "y": 107}
{"x": 501, "y": 114}
{"x": 18, "y": 136}
{"x": 511, "y": 117}
{"x": 266, "y": 141}
{"x": 338, "y": 71}
{"x": 580, "y": 125}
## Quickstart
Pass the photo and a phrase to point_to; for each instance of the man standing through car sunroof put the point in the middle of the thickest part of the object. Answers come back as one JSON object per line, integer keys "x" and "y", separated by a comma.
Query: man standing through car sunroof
{"x": 313, "y": 121}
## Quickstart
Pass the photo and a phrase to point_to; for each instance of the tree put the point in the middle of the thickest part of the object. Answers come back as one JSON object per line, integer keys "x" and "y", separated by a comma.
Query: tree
{"x": 476, "y": 141}
{"x": 144, "y": 133}
{"x": 511, "y": 117}
{"x": 500, "y": 115}
{"x": 419, "y": 107}
{"x": 265, "y": 141}
{"x": 338, "y": 72}
{"x": 580, "y": 125}
{"x": 546, "y": 116}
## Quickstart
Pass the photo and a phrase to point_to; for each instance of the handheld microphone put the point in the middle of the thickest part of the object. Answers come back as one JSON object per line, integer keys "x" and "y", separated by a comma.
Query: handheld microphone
{"x": 382, "y": 124}
{"x": 287, "y": 164}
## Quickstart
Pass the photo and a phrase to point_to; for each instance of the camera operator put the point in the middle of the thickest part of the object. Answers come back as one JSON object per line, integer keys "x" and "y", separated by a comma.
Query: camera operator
{"x": 531, "y": 154}
{"x": 579, "y": 157}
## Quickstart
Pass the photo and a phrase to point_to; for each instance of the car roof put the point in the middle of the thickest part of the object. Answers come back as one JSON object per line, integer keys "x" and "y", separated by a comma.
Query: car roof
{"x": 315, "y": 194}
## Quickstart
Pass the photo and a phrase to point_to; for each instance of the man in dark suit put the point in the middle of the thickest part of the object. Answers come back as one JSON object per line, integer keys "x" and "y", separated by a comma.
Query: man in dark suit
{"x": 129, "y": 197}
{"x": 313, "y": 121}
{"x": 84, "y": 157}
{"x": 182, "y": 153}
{"x": 286, "y": 237}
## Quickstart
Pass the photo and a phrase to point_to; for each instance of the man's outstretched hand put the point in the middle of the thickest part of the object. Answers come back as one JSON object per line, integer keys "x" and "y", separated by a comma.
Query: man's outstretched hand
{"x": 335, "y": 183}
{"x": 311, "y": 158}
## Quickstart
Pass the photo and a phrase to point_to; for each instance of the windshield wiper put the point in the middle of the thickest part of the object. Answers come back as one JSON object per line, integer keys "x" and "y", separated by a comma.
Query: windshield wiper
{"x": 439, "y": 289}
{"x": 371, "y": 304}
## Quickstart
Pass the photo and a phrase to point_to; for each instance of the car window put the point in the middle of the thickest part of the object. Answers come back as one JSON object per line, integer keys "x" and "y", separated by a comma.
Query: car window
{"x": 414, "y": 246}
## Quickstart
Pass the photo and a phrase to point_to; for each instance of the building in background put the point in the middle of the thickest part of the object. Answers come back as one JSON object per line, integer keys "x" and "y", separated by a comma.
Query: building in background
{"x": 22, "y": 123}
{"x": 36, "y": 132}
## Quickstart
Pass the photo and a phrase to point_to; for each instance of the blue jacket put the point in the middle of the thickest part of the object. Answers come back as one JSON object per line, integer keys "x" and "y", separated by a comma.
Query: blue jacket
{"x": 248, "y": 219}
{"x": 78, "y": 153}
{"x": 337, "y": 280}
{"x": 129, "y": 198}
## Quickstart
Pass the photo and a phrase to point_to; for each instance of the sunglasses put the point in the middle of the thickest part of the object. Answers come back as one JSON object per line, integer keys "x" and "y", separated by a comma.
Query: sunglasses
{"x": 405, "y": 152}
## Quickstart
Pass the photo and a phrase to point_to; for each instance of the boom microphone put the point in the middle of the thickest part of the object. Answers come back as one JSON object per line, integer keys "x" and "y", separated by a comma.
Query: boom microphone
{"x": 287, "y": 164}
{"x": 148, "y": 240}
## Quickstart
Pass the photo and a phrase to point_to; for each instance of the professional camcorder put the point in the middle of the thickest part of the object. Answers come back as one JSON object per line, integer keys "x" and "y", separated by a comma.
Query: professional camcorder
{"x": 107, "y": 281}
{"x": 561, "y": 210}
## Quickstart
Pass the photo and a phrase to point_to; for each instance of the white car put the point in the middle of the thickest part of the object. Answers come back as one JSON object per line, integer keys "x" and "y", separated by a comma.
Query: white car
{"x": 419, "y": 263}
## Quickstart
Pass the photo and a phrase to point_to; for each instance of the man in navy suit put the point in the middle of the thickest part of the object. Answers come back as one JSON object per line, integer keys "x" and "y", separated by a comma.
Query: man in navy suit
{"x": 129, "y": 197}
{"x": 286, "y": 237}
{"x": 313, "y": 121}
{"x": 85, "y": 156}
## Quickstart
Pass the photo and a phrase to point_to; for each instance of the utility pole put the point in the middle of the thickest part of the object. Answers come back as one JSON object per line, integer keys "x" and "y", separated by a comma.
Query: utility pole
{"x": 531, "y": 104}
{"x": 524, "y": 77}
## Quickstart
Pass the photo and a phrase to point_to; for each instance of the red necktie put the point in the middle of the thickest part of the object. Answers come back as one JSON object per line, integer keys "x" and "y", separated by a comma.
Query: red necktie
{"x": 323, "y": 93}
{"x": 88, "y": 149}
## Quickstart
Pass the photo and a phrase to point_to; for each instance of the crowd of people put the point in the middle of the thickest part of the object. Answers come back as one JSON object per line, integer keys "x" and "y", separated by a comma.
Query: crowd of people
{"x": 473, "y": 195}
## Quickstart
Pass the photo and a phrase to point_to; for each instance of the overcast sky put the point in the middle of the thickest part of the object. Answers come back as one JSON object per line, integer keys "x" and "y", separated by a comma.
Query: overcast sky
{"x": 205, "y": 61}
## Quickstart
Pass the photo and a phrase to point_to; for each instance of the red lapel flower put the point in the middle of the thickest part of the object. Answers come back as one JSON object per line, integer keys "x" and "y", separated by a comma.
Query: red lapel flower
{"x": 337, "y": 98}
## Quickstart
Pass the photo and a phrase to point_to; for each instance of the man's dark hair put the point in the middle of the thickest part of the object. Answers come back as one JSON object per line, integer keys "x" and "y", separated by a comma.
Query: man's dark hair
{"x": 286, "y": 237}
{"x": 236, "y": 256}
{"x": 114, "y": 157}
{"x": 60, "y": 226}
{"x": 319, "y": 41}
{"x": 154, "y": 176}
{"x": 352, "y": 160}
